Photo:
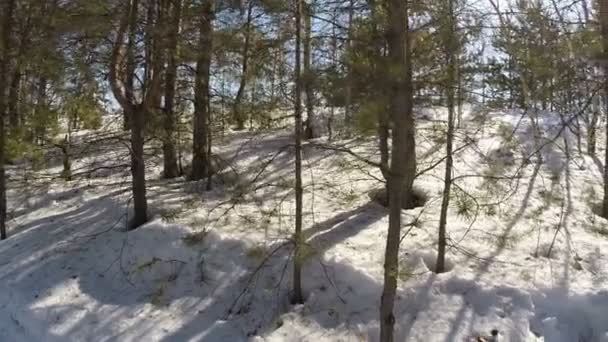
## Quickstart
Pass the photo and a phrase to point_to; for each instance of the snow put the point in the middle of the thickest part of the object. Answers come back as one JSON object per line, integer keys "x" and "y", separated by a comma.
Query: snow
{"x": 216, "y": 266}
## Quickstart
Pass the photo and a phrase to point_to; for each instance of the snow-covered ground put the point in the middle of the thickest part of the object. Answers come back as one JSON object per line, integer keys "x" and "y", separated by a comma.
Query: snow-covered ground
{"x": 528, "y": 256}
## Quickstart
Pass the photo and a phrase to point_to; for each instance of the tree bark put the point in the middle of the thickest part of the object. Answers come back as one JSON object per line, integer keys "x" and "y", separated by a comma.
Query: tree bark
{"x": 592, "y": 125}
{"x": 348, "y": 91}
{"x": 452, "y": 81}
{"x": 375, "y": 56}
{"x": 5, "y": 46}
{"x": 14, "y": 115}
{"x": 308, "y": 73}
{"x": 14, "y": 118}
{"x": 40, "y": 111}
{"x": 200, "y": 157}
{"x": 603, "y": 16}
{"x": 123, "y": 89}
{"x": 138, "y": 122}
{"x": 169, "y": 121}
{"x": 400, "y": 109}
{"x": 298, "y": 238}
{"x": 237, "y": 114}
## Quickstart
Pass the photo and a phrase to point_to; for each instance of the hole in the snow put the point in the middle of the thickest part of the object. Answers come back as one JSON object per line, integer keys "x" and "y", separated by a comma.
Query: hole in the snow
{"x": 418, "y": 199}
{"x": 597, "y": 209}
{"x": 547, "y": 250}
{"x": 430, "y": 261}
{"x": 594, "y": 226}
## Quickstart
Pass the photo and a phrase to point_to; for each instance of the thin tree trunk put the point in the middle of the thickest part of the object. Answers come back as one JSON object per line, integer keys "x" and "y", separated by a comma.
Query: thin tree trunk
{"x": 298, "y": 239}
{"x": 237, "y": 113}
{"x": 334, "y": 54}
{"x": 383, "y": 117}
{"x": 592, "y": 126}
{"x": 13, "y": 100}
{"x": 154, "y": 84}
{"x": 169, "y": 122}
{"x": 603, "y": 16}
{"x": 403, "y": 143}
{"x": 15, "y": 117}
{"x": 451, "y": 49}
{"x": 459, "y": 93}
{"x": 201, "y": 94}
{"x": 66, "y": 173}
{"x": 41, "y": 102}
{"x": 209, "y": 145}
{"x": 5, "y": 46}
{"x": 348, "y": 96}
{"x": 308, "y": 74}
{"x": 149, "y": 38}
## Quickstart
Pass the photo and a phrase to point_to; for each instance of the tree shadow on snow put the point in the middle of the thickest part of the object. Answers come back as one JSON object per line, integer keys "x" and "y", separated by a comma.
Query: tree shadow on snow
{"x": 133, "y": 275}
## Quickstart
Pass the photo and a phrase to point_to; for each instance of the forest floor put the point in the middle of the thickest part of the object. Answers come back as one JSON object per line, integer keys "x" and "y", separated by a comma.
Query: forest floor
{"x": 528, "y": 257}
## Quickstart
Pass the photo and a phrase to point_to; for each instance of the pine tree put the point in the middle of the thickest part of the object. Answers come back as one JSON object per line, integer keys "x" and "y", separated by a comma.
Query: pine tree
{"x": 403, "y": 165}
{"x": 298, "y": 297}
{"x": 200, "y": 157}
{"x": 451, "y": 82}
{"x": 5, "y": 51}
{"x": 124, "y": 92}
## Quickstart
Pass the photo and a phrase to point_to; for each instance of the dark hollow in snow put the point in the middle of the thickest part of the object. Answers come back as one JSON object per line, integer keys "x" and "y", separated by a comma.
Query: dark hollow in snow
{"x": 430, "y": 261}
{"x": 597, "y": 209}
{"x": 419, "y": 198}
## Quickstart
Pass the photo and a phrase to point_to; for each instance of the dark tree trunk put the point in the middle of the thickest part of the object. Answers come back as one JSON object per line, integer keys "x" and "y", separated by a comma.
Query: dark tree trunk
{"x": 64, "y": 146}
{"x": 149, "y": 42}
{"x": 14, "y": 119}
{"x": 138, "y": 167}
{"x": 138, "y": 121}
{"x": 308, "y": 73}
{"x": 41, "y": 112}
{"x": 237, "y": 112}
{"x": 298, "y": 298}
{"x": 5, "y": 42}
{"x": 200, "y": 162}
{"x": 169, "y": 121}
{"x": 403, "y": 166}
{"x": 123, "y": 89}
{"x": 592, "y": 126}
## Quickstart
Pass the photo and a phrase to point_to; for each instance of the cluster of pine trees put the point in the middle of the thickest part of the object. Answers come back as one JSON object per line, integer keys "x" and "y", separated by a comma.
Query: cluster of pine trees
{"x": 180, "y": 71}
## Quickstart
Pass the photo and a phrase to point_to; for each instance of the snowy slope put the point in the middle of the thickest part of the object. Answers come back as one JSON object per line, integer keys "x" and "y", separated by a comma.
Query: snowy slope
{"x": 215, "y": 266}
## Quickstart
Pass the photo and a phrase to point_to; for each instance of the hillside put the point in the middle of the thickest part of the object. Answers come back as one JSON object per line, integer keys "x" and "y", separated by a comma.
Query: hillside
{"x": 527, "y": 253}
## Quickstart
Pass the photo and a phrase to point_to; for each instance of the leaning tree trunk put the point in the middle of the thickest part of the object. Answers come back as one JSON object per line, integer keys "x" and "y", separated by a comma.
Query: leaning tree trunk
{"x": 452, "y": 81}
{"x": 603, "y": 15}
{"x": 298, "y": 238}
{"x": 200, "y": 155}
{"x": 169, "y": 121}
{"x": 401, "y": 175}
{"x": 5, "y": 41}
